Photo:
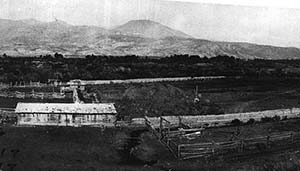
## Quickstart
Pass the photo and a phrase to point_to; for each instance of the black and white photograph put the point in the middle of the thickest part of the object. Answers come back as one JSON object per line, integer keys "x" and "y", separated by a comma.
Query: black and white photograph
{"x": 149, "y": 85}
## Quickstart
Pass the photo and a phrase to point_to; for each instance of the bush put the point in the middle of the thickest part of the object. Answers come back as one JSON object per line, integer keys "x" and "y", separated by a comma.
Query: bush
{"x": 236, "y": 122}
{"x": 271, "y": 119}
{"x": 276, "y": 118}
{"x": 266, "y": 119}
{"x": 250, "y": 121}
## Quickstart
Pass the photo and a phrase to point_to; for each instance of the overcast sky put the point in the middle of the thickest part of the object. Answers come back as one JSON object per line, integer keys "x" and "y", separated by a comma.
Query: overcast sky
{"x": 255, "y": 24}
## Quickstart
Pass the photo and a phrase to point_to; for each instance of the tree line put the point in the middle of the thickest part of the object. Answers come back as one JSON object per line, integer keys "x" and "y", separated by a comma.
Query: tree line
{"x": 91, "y": 67}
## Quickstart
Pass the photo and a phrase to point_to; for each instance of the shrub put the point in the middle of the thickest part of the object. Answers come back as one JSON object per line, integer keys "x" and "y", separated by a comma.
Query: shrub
{"x": 206, "y": 125}
{"x": 250, "y": 121}
{"x": 270, "y": 119}
{"x": 266, "y": 119}
{"x": 276, "y": 118}
{"x": 236, "y": 122}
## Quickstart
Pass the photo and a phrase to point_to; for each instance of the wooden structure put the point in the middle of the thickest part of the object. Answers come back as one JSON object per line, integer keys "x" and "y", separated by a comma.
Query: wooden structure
{"x": 162, "y": 135}
{"x": 66, "y": 114}
{"x": 247, "y": 146}
{"x": 238, "y": 147}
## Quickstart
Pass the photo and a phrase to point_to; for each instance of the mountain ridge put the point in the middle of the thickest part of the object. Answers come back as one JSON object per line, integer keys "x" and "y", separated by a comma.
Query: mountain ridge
{"x": 31, "y": 37}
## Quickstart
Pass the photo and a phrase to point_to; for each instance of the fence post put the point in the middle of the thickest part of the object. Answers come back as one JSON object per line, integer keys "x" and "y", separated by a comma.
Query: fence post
{"x": 213, "y": 148}
{"x": 179, "y": 121}
{"x": 241, "y": 149}
{"x": 268, "y": 142}
{"x": 178, "y": 151}
{"x": 160, "y": 127}
{"x": 169, "y": 128}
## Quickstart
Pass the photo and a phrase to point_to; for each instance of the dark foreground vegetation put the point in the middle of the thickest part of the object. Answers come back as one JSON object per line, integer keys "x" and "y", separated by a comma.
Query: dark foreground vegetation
{"x": 91, "y": 149}
{"x": 26, "y": 69}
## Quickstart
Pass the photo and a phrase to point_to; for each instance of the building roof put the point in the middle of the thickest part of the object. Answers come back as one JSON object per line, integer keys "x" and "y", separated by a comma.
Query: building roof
{"x": 62, "y": 108}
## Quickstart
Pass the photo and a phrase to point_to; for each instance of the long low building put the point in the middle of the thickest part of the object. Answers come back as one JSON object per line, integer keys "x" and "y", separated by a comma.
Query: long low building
{"x": 66, "y": 114}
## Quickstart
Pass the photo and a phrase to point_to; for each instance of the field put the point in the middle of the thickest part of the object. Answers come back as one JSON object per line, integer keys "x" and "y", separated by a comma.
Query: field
{"x": 229, "y": 95}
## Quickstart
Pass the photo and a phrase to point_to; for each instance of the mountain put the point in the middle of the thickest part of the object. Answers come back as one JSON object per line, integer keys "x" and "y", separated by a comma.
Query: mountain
{"x": 149, "y": 29}
{"x": 139, "y": 37}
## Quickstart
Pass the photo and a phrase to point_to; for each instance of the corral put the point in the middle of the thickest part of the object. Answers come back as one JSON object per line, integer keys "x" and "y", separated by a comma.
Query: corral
{"x": 242, "y": 141}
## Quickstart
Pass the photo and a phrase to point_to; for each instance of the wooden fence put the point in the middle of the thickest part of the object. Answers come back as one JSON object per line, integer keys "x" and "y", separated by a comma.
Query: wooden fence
{"x": 246, "y": 146}
{"x": 255, "y": 144}
{"x": 162, "y": 135}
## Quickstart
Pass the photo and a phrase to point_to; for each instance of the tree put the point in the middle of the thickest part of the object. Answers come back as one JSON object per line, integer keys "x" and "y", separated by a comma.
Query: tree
{"x": 58, "y": 56}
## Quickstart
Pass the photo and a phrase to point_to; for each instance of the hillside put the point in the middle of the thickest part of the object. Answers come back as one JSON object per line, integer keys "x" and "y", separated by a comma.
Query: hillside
{"x": 139, "y": 37}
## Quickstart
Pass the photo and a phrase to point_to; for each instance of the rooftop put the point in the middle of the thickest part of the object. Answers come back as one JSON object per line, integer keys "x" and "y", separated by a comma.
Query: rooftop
{"x": 62, "y": 108}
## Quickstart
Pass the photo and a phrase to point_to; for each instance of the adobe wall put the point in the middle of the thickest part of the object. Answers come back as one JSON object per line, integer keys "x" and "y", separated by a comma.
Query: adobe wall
{"x": 221, "y": 120}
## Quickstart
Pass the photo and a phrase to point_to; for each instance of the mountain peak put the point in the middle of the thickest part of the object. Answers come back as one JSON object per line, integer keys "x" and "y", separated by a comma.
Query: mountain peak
{"x": 59, "y": 22}
{"x": 149, "y": 29}
{"x": 142, "y": 22}
{"x": 31, "y": 21}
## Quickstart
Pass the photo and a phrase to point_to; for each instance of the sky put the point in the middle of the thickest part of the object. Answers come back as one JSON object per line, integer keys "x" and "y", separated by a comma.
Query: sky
{"x": 255, "y": 21}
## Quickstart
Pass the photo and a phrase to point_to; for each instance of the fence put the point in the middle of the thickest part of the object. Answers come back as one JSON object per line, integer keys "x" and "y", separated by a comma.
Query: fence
{"x": 244, "y": 146}
{"x": 162, "y": 135}
{"x": 255, "y": 144}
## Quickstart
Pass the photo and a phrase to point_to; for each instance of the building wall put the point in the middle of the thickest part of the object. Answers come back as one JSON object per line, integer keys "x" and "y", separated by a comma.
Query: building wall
{"x": 75, "y": 120}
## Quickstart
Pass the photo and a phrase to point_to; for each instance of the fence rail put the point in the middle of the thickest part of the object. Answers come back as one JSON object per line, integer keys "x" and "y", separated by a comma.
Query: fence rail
{"x": 246, "y": 146}
{"x": 260, "y": 143}
{"x": 162, "y": 136}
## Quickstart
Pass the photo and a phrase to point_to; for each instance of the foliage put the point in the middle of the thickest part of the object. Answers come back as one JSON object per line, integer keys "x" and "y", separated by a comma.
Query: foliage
{"x": 250, "y": 121}
{"x": 26, "y": 69}
{"x": 236, "y": 122}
